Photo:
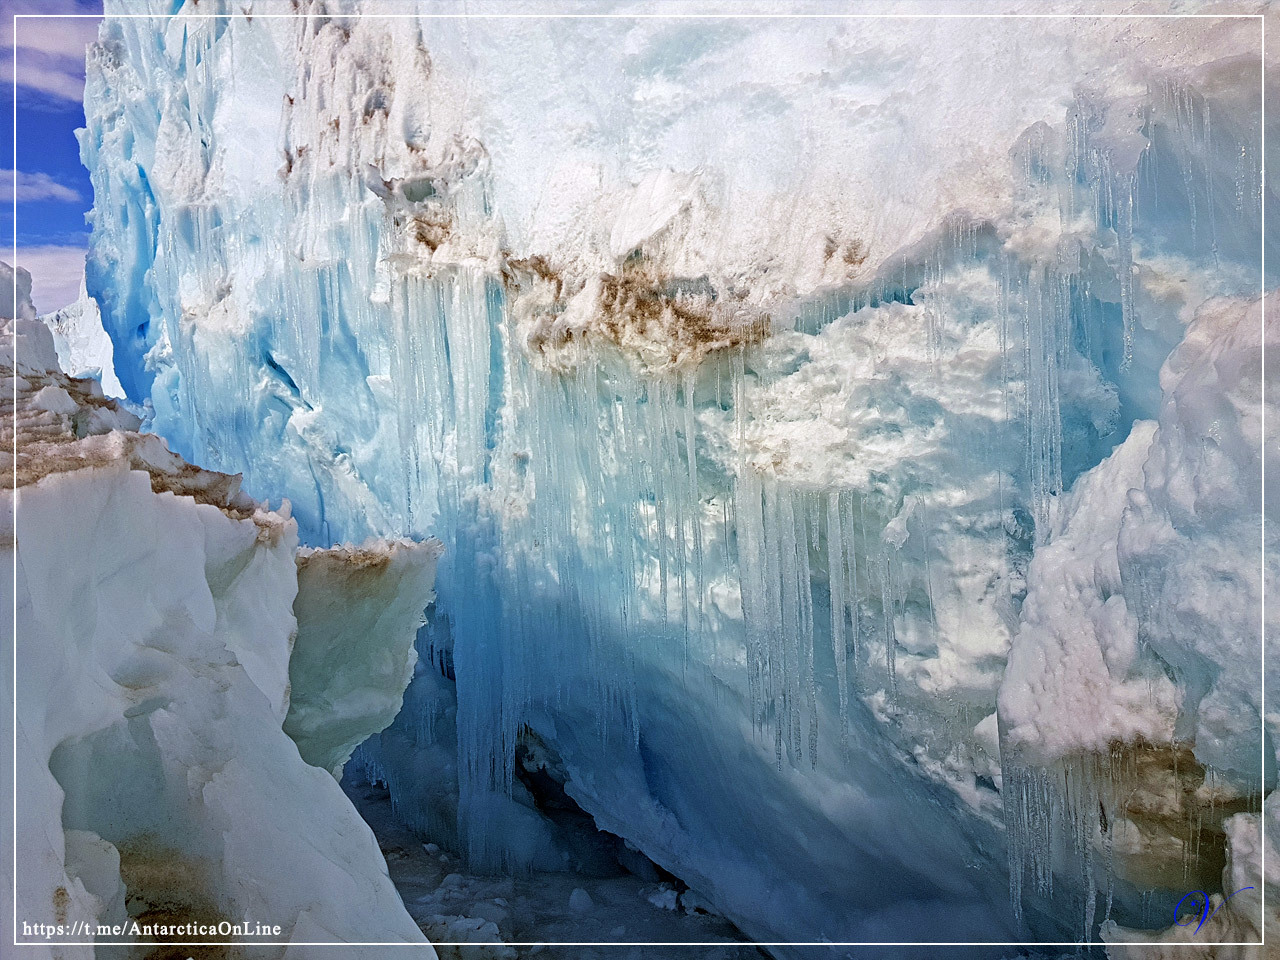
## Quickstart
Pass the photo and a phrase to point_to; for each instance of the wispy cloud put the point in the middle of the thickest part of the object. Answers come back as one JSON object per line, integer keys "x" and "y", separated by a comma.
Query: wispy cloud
{"x": 54, "y": 80}
{"x": 33, "y": 186}
{"x": 56, "y": 275}
{"x": 50, "y": 52}
{"x": 57, "y": 37}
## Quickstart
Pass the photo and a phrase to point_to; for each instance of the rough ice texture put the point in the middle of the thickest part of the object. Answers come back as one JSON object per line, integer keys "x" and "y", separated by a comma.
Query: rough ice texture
{"x": 358, "y": 610}
{"x": 154, "y": 619}
{"x": 1075, "y": 681}
{"x": 1190, "y": 541}
{"x": 1141, "y": 635}
{"x": 84, "y": 349}
{"x": 743, "y": 375}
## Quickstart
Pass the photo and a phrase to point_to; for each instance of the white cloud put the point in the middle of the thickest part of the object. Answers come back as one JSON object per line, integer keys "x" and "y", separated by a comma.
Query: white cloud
{"x": 56, "y": 275}
{"x": 33, "y": 186}
{"x": 56, "y": 80}
{"x": 50, "y": 52}
{"x": 59, "y": 38}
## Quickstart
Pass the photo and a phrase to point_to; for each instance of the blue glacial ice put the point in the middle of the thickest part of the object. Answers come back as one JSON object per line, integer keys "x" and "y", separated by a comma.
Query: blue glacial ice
{"x": 821, "y": 420}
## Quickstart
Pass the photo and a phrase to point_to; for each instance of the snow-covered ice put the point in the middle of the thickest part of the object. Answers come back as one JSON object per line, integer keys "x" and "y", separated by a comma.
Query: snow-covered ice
{"x": 346, "y": 684}
{"x": 845, "y": 428}
{"x": 84, "y": 349}
{"x": 154, "y": 780}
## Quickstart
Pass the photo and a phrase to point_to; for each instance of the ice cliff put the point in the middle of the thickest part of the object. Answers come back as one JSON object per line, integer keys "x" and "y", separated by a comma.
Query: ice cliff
{"x": 847, "y": 429}
{"x": 154, "y": 672}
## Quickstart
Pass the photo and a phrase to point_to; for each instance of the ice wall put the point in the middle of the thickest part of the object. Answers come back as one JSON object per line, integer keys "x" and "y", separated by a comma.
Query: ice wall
{"x": 1132, "y": 689}
{"x": 19, "y": 305}
{"x": 742, "y": 374}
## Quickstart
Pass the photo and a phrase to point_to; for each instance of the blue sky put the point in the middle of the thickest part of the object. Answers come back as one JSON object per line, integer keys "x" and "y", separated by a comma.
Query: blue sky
{"x": 53, "y": 190}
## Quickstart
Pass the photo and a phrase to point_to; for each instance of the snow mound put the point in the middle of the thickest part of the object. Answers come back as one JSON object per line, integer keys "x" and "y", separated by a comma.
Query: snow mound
{"x": 154, "y": 619}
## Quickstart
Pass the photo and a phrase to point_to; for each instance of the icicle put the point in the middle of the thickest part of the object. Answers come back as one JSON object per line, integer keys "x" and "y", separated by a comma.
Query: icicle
{"x": 837, "y": 585}
{"x": 888, "y": 603}
{"x": 1125, "y": 187}
{"x": 854, "y": 544}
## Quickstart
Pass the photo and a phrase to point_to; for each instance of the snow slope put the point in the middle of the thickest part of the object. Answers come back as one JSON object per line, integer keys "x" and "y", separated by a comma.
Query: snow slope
{"x": 155, "y": 613}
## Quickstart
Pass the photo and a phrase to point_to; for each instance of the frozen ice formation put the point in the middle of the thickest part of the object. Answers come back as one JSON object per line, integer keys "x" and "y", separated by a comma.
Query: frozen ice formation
{"x": 154, "y": 781}
{"x": 844, "y": 428}
{"x": 82, "y": 346}
{"x": 84, "y": 349}
{"x": 1142, "y": 579}
{"x": 1140, "y": 633}
{"x": 346, "y": 683}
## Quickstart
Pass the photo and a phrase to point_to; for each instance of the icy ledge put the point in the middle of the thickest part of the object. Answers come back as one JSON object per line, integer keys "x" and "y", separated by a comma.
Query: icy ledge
{"x": 343, "y": 692}
{"x": 155, "y": 614}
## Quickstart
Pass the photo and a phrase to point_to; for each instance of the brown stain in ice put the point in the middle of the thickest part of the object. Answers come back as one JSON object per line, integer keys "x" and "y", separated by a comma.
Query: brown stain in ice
{"x": 353, "y": 564}
{"x": 98, "y": 433}
{"x": 1178, "y": 808}
{"x": 61, "y": 900}
{"x": 852, "y": 253}
{"x": 166, "y": 886}
{"x": 659, "y": 321}
{"x": 432, "y": 228}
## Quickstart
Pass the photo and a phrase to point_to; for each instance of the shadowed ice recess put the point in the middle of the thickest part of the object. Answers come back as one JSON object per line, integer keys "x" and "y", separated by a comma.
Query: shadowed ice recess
{"x": 844, "y": 435}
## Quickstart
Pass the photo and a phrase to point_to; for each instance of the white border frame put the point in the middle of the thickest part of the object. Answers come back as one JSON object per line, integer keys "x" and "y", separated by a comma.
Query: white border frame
{"x": 1262, "y": 311}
